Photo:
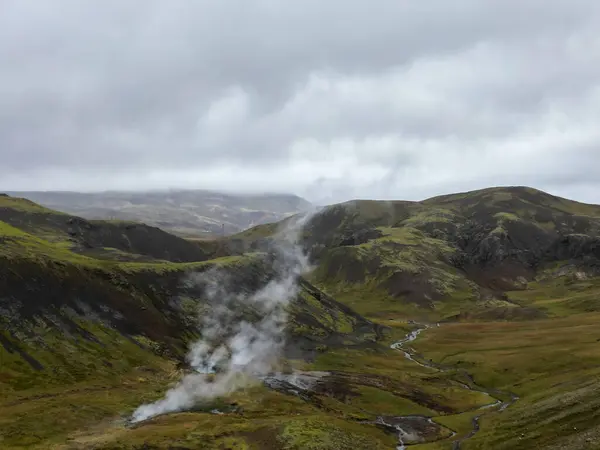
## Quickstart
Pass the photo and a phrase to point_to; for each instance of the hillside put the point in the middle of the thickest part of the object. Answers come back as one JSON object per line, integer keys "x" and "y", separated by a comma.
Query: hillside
{"x": 491, "y": 299}
{"x": 193, "y": 213}
{"x": 446, "y": 255}
{"x": 89, "y": 332}
{"x": 512, "y": 275}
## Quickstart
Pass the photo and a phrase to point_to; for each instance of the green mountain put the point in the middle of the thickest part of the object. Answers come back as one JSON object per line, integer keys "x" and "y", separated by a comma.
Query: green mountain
{"x": 457, "y": 254}
{"x": 500, "y": 289}
{"x": 97, "y": 317}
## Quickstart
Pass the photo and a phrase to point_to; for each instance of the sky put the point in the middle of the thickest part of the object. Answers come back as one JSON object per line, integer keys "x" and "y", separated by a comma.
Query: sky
{"x": 331, "y": 100}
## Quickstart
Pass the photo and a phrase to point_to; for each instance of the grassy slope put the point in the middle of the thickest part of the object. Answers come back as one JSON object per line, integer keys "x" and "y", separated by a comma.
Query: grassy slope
{"x": 523, "y": 321}
{"x": 435, "y": 259}
{"x": 553, "y": 365}
{"x": 85, "y": 340}
{"x": 58, "y": 329}
{"x": 549, "y": 361}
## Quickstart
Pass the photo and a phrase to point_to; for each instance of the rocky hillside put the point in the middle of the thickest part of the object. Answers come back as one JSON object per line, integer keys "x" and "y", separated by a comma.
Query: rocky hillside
{"x": 449, "y": 254}
{"x": 194, "y": 213}
{"x": 93, "y": 324}
{"x": 96, "y": 318}
{"x": 66, "y": 274}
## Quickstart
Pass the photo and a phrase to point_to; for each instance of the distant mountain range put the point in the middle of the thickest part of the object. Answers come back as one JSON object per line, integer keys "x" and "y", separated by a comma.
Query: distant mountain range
{"x": 194, "y": 213}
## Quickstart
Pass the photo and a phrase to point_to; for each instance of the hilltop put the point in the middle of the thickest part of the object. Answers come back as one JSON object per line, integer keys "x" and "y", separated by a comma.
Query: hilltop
{"x": 191, "y": 213}
{"x": 448, "y": 255}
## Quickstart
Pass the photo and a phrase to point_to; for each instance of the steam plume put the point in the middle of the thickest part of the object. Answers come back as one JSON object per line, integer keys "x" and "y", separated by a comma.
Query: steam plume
{"x": 233, "y": 349}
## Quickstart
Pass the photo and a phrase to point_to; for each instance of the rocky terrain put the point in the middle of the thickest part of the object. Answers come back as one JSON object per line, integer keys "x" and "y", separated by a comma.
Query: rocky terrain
{"x": 97, "y": 318}
{"x": 191, "y": 213}
{"x": 447, "y": 255}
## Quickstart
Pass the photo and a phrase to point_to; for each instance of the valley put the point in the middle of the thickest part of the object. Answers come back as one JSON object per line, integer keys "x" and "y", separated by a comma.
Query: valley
{"x": 199, "y": 214}
{"x": 464, "y": 321}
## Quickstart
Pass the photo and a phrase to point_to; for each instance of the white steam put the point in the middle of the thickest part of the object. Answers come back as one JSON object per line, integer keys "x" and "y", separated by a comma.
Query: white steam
{"x": 233, "y": 349}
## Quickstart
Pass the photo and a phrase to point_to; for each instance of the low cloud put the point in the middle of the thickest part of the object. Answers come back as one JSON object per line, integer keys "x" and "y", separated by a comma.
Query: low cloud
{"x": 378, "y": 100}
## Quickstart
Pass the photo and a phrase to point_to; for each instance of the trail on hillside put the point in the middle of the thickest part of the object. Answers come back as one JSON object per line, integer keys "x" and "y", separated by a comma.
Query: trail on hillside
{"x": 498, "y": 404}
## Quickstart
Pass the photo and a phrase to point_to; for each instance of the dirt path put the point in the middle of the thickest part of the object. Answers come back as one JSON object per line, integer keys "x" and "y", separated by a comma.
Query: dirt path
{"x": 498, "y": 404}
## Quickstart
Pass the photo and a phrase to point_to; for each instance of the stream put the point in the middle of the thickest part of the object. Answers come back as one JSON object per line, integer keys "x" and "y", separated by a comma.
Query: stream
{"x": 498, "y": 404}
{"x": 410, "y": 430}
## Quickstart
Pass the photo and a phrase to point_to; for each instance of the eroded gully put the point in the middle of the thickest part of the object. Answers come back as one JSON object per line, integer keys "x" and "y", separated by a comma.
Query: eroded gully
{"x": 496, "y": 395}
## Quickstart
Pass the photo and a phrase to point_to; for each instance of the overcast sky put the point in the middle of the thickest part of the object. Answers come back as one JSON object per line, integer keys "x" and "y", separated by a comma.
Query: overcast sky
{"x": 331, "y": 100}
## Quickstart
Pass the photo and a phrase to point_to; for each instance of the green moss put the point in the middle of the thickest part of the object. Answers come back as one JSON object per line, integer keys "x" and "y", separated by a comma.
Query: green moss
{"x": 500, "y": 196}
{"x": 19, "y": 244}
{"x": 380, "y": 402}
{"x": 573, "y": 292}
{"x": 507, "y": 217}
{"x": 430, "y": 216}
{"x": 24, "y": 205}
{"x": 550, "y": 364}
{"x": 83, "y": 381}
{"x": 314, "y": 434}
{"x": 461, "y": 424}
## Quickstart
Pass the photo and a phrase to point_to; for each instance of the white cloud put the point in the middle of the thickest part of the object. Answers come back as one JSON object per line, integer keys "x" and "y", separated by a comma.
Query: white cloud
{"x": 334, "y": 100}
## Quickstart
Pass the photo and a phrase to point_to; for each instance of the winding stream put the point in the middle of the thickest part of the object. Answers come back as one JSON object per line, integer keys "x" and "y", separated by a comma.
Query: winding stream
{"x": 410, "y": 430}
{"x": 498, "y": 404}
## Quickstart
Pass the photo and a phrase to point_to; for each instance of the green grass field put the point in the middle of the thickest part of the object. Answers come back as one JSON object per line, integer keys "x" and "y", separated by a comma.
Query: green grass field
{"x": 553, "y": 365}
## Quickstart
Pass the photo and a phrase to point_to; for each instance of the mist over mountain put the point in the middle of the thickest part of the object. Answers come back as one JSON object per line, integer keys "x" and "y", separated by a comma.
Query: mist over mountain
{"x": 195, "y": 213}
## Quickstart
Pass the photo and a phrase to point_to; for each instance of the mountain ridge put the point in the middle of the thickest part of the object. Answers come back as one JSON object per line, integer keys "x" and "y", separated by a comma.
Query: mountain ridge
{"x": 196, "y": 213}
{"x": 495, "y": 238}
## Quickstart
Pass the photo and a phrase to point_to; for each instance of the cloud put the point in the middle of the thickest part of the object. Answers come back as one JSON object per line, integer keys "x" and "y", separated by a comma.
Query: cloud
{"x": 330, "y": 100}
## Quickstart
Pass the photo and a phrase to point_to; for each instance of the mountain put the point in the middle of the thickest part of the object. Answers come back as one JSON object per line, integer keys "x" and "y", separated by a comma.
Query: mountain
{"x": 511, "y": 276}
{"x": 195, "y": 213}
{"x": 99, "y": 315}
{"x": 462, "y": 321}
{"x": 448, "y": 254}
